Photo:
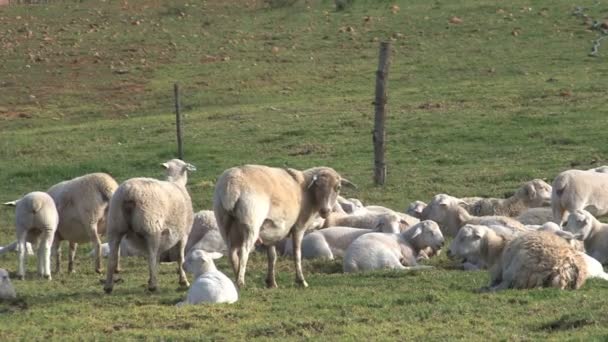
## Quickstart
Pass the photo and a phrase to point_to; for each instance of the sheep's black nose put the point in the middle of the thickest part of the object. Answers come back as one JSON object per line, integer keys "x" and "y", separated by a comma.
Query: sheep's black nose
{"x": 324, "y": 212}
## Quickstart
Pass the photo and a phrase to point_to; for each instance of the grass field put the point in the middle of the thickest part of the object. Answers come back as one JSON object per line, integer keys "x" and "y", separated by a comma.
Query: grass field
{"x": 475, "y": 108}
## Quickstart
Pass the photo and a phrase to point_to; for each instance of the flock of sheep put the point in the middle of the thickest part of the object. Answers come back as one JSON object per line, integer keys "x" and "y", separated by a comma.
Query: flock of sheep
{"x": 541, "y": 236}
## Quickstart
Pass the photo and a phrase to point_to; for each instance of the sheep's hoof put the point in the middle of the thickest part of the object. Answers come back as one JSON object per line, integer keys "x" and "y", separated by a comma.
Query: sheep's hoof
{"x": 152, "y": 288}
{"x": 107, "y": 289}
{"x": 184, "y": 283}
{"x": 271, "y": 284}
{"x": 46, "y": 276}
{"x": 21, "y": 277}
{"x": 302, "y": 283}
{"x": 240, "y": 284}
{"x": 118, "y": 270}
{"x": 98, "y": 271}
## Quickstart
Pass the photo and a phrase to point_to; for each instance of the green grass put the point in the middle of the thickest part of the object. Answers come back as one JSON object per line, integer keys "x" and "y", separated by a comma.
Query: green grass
{"x": 473, "y": 110}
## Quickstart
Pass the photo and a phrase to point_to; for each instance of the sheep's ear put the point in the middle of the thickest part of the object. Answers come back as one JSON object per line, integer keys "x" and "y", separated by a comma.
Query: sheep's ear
{"x": 312, "y": 182}
{"x": 529, "y": 190}
{"x": 190, "y": 167}
{"x": 11, "y": 204}
{"x": 164, "y": 165}
{"x": 215, "y": 255}
{"x": 346, "y": 182}
{"x": 417, "y": 232}
{"x": 476, "y": 236}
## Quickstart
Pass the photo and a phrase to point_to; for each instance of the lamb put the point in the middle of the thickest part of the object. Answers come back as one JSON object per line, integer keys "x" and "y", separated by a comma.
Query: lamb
{"x": 210, "y": 285}
{"x": 576, "y": 189}
{"x": 155, "y": 216}
{"x": 82, "y": 204}
{"x": 36, "y": 220}
{"x": 537, "y": 216}
{"x": 374, "y": 251}
{"x": 534, "y": 259}
{"x": 447, "y": 212}
{"x": 587, "y": 228}
{"x": 535, "y": 193}
{"x": 7, "y": 291}
{"x": 260, "y": 203}
{"x": 415, "y": 209}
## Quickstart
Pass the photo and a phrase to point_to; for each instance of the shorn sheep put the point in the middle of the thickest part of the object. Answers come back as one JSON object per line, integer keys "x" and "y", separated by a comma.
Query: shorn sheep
{"x": 576, "y": 189}
{"x": 535, "y": 193}
{"x": 36, "y": 220}
{"x": 591, "y": 231}
{"x": 82, "y": 204}
{"x": 375, "y": 251}
{"x": 209, "y": 285}
{"x": 533, "y": 259}
{"x": 264, "y": 204}
{"x": 7, "y": 291}
{"x": 155, "y": 216}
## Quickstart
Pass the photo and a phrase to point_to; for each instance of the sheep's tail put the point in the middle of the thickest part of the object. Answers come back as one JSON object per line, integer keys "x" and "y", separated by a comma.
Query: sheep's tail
{"x": 106, "y": 189}
{"x": 228, "y": 190}
{"x": 559, "y": 185}
{"x": 418, "y": 267}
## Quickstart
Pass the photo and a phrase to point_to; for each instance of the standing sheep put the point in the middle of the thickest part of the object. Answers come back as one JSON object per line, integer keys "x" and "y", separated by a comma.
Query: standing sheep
{"x": 259, "y": 203}
{"x": 36, "y": 221}
{"x": 82, "y": 204}
{"x": 588, "y": 229}
{"x": 209, "y": 285}
{"x": 375, "y": 251}
{"x": 155, "y": 216}
{"x": 575, "y": 190}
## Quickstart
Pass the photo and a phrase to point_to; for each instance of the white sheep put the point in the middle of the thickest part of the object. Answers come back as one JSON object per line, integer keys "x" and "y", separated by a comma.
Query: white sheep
{"x": 36, "y": 220}
{"x": 367, "y": 220}
{"x": 538, "y": 216}
{"x": 602, "y": 169}
{"x": 415, "y": 209}
{"x": 575, "y": 190}
{"x": 7, "y": 291}
{"x": 14, "y": 247}
{"x": 155, "y": 216}
{"x": 82, "y": 204}
{"x": 255, "y": 203}
{"x": 587, "y": 228}
{"x": 406, "y": 220}
{"x": 448, "y": 213}
{"x": 533, "y": 259}
{"x": 535, "y": 193}
{"x": 375, "y": 251}
{"x": 465, "y": 247}
{"x": 350, "y": 205}
{"x": 209, "y": 285}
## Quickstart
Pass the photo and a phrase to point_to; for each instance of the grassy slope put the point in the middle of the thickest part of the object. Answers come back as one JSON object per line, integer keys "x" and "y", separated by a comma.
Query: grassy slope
{"x": 474, "y": 110}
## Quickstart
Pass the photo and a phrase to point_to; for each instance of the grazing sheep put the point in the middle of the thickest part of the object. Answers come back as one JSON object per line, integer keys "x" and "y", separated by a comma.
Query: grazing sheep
{"x": 533, "y": 259}
{"x": 259, "y": 203}
{"x": 535, "y": 193}
{"x": 82, "y": 204}
{"x": 14, "y": 247}
{"x": 537, "y": 216}
{"x": 155, "y": 216}
{"x": 447, "y": 212}
{"x": 209, "y": 285}
{"x": 36, "y": 221}
{"x": 415, "y": 209}
{"x": 375, "y": 251}
{"x": 587, "y": 228}
{"x": 575, "y": 190}
{"x": 467, "y": 243}
{"x": 7, "y": 291}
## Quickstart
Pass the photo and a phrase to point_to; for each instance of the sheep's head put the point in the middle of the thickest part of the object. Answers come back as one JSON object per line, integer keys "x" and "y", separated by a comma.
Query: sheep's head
{"x": 177, "y": 170}
{"x": 198, "y": 261}
{"x": 324, "y": 185}
{"x": 580, "y": 223}
{"x": 349, "y": 205}
{"x": 440, "y": 207}
{"x": 427, "y": 234}
{"x": 537, "y": 193}
{"x": 600, "y": 169}
{"x": 4, "y": 278}
{"x": 415, "y": 209}
{"x": 466, "y": 244}
{"x": 389, "y": 223}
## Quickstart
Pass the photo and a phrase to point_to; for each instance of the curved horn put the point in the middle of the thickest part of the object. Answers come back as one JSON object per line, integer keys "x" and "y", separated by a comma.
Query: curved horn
{"x": 348, "y": 183}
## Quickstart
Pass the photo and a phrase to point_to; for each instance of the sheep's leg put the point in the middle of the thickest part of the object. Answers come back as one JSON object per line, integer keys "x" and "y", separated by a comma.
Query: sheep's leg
{"x": 271, "y": 252}
{"x": 181, "y": 246}
{"x": 44, "y": 254}
{"x": 56, "y": 251}
{"x": 113, "y": 244}
{"x": 559, "y": 213}
{"x": 246, "y": 246}
{"x": 153, "y": 244}
{"x": 71, "y": 255}
{"x": 21, "y": 238}
{"x": 297, "y": 254}
{"x": 96, "y": 245}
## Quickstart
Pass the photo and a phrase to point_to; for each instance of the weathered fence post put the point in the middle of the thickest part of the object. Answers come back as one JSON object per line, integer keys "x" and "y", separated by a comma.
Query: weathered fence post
{"x": 178, "y": 124}
{"x": 378, "y": 134}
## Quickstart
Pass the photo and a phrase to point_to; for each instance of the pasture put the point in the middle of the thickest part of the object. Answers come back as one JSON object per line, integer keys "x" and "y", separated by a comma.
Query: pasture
{"x": 475, "y": 108}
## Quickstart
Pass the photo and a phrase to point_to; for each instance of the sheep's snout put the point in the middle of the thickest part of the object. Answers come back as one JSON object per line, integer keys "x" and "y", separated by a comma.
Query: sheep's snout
{"x": 324, "y": 212}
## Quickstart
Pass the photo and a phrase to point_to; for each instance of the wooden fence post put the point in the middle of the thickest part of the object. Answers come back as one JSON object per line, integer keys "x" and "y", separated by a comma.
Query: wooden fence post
{"x": 178, "y": 124}
{"x": 378, "y": 135}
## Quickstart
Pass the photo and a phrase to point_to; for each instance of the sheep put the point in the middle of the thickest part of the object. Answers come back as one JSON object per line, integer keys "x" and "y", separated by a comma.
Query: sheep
{"x": 535, "y": 193}
{"x": 14, "y": 247}
{"x": 592, "y": 232}
{"x": 374, "y": 251}
{"x": 406, "y": 220}
{"x": 349, "y": 206}
{"x": 602, "y": 169}
{"x": 447, "y": 212}
{"x": 415, "y": 209}
{"x": 155, "y": 216}
{"x": 577, "y": 189}
{"x": 537, "y": 216}
{"x": 209, "y": 285}
{"x": 260, "y": 203}
{"x": 533, "y": 259}
{"x": 7, "y": 291}
{"x": 369, "y": 220}
{"x": 82, "y": 203}
{"x": 36, "y": 221}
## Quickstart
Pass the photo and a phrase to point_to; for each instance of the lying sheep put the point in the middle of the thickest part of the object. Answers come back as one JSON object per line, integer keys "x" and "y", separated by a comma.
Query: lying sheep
{"x": 415, "y": 209}
{"x": 394, "y": 251}
{"x": 36, "y": 220}
{"x": 7, "y": 291}
{"x": 368, "y": 220}
{"x": 467, "y": 243}
{"x": 587, "y": 228}
{"x": 155, "y": 216}
{"x": 406, "y": 220}
{"x": 447, "y": 212}
{"x": 535, "y": 193}
{"x": 576, "y": 190}
{"x": 209, "y": 285}
{"x": 602, "y": 169}
{"x": 533, "y": 259}
{"x": 537, "y": 216}
{"x": 14, "y": 247}
{"x": 82, "y": 204}
{"x": 349, "y": 206}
